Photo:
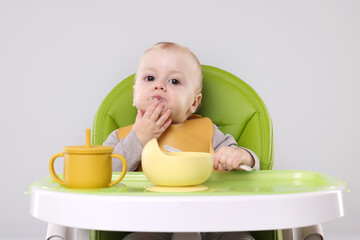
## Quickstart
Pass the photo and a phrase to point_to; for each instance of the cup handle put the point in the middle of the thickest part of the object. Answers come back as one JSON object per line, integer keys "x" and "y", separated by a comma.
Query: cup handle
{"x": 124, "y": 168}
{"x": 52, "y": 170}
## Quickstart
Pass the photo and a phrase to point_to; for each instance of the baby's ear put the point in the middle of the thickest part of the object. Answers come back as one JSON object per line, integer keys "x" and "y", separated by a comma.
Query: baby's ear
{"x": 196, "y": 102}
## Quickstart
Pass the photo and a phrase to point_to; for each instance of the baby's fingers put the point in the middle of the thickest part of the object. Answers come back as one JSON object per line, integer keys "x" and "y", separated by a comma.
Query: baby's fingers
{"x": 224, "y": 160}
{"x": 217, "y": 157}
{"x": 164, "y": 117}
{"x": 221, "y": 168}
{"x": 157, "y": 111}
{"x": 149, "y": 112}
{"x": 165, "y": 125}
{"x": 161, "y": 121}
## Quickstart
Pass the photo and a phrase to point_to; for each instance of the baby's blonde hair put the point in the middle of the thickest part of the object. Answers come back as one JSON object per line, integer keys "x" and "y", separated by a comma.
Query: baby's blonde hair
{"x": 171, "y": 45}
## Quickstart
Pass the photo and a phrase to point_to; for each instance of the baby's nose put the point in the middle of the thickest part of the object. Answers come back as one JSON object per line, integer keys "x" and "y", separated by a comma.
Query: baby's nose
{"x": 160, "y": 86}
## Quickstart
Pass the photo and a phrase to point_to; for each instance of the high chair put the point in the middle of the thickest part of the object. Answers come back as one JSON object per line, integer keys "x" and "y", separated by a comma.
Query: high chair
{"x": 232, "y": 105}
{"x": 273, "y": 199}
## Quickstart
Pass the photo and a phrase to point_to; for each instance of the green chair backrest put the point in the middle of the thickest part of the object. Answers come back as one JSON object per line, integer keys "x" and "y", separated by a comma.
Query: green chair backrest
{"x": 228, "y": 101}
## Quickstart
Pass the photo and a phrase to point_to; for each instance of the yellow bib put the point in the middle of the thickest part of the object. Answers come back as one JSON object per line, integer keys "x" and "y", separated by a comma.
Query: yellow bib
{"x": 194, "y": 135}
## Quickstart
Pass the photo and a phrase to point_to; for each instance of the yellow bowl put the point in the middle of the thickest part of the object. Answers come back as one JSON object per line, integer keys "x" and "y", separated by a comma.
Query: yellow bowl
{"x": 175, "y": 169}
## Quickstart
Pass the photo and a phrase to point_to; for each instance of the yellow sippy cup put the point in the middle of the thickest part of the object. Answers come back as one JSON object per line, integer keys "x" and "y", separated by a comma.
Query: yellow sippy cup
{"x": 87, "y": 166}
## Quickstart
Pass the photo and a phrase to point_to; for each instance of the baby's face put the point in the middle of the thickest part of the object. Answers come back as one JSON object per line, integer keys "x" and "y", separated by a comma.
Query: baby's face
{"x": 168, "y": 76}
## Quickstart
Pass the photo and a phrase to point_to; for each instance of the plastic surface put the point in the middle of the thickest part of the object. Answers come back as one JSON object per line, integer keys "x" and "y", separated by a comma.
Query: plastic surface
{"x": 88, "y": 150}
{"x": 227, "y": 100}
{"x": 265, "y": 182}
{"x": 273, "y": 200}
{"x": 52, "y": 169}
{"x": 122, "y": 174}
{"x": 196, "y": 188}
{"x": 175, "y": 169}
{"x": 86, "y": 170}
{"x": 87, "y": 166}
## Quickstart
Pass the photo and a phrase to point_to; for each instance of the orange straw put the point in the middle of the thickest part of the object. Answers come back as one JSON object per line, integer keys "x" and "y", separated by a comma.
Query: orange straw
{"x": 88, "y": 136}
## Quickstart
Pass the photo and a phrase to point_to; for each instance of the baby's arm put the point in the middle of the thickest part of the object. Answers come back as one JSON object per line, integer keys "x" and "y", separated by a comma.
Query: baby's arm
{"x": 132, "y": 154}
{"x": 228, "y": 156}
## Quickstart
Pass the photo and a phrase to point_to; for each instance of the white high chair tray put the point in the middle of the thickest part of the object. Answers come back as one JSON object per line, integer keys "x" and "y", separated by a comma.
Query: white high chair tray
{"x": 234, "y": 201}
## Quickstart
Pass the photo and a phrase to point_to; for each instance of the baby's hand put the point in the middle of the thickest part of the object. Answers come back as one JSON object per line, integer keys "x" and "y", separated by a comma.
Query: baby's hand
{"x": 152, "y": 123}
{"x": 229, "y": 158}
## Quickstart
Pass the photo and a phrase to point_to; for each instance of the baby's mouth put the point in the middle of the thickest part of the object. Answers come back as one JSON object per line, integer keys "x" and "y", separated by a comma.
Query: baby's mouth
{"x": 157, "y": 98}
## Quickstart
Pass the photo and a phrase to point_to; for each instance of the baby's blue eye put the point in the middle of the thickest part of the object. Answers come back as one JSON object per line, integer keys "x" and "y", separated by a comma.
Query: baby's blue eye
{"x": 149, "y": 78}
{"x": 174, "y": 81}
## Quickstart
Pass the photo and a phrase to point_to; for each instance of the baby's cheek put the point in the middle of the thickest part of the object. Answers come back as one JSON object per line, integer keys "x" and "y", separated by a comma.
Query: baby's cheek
{"x": 141, "y": 107}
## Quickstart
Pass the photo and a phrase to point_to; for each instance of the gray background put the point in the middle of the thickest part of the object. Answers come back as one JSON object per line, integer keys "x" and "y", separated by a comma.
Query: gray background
{"x": 59, "y": 59}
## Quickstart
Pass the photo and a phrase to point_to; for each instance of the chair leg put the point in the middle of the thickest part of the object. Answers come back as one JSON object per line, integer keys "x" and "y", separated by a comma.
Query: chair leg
{"x": 287, "y": 234}
{"x": 186, "y": 236}
{"x": 58, "y": 232}
{"x": 82, "y": 234}
{"x": 314, "y": 232}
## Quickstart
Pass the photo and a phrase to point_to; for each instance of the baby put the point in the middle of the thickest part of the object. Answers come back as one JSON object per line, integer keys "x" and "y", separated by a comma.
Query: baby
{"x": 166, "y": 93}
